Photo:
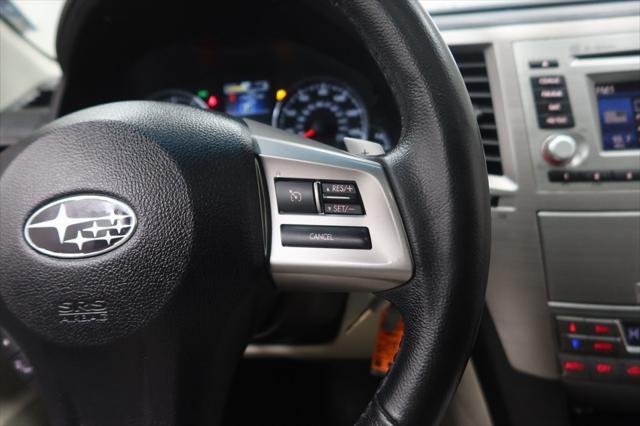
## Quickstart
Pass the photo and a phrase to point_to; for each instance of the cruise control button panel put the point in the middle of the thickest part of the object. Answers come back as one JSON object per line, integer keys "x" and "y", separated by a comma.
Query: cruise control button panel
{"x": 341, "y": 198}
{"x": 346, "y": 234}
{"x": 342, "y": 237}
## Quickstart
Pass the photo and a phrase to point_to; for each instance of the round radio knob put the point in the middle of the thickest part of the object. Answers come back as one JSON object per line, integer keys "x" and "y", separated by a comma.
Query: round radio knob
{"x": 559, "y": 149}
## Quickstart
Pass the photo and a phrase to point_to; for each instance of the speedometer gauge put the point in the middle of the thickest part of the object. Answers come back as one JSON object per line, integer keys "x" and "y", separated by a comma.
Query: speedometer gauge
{"x": 323, "y": 110}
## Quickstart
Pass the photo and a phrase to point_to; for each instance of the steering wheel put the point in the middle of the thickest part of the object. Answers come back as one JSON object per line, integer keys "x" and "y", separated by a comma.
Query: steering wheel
{"x": 138, "y": 240}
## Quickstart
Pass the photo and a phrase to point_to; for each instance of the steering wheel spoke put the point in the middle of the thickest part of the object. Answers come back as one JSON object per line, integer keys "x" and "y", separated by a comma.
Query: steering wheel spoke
{"x": 333, "y": 220}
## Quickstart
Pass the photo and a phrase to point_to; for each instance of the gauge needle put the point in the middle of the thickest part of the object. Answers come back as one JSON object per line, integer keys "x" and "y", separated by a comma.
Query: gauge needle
{"x": 309, "y": 133}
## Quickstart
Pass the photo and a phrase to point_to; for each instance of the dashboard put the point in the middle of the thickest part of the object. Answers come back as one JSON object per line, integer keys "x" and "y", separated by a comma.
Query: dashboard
{"x": 292, "y": 87}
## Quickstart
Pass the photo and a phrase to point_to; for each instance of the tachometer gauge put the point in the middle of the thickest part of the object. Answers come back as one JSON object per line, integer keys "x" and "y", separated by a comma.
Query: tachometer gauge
{"x": 182, "y": 97}
{"x": 324, "y": 110}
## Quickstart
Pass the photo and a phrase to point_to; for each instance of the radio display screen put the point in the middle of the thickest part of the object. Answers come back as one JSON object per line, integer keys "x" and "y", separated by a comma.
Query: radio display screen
{"x": 619, "y": 114}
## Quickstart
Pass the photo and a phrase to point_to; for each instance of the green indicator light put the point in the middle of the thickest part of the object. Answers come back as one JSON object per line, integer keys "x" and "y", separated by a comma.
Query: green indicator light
{"x": 203, "y": 93}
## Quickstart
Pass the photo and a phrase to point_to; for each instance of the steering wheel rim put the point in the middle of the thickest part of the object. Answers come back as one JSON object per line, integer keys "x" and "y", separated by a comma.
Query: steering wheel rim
{"x": 445, "y": 208}
{"x": 438, "y": 175}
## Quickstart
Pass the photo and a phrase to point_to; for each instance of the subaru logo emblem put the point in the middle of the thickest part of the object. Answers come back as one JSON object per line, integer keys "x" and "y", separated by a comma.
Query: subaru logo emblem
{"x": 80, "y": 226}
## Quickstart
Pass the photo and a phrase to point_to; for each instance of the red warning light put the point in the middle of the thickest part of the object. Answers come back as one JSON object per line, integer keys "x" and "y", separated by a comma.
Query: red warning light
{"x": 212, "y": 101}
{"x": 601, "y": 329}
{"x": 572, "y": 327}
{"x": 604, "y": 368}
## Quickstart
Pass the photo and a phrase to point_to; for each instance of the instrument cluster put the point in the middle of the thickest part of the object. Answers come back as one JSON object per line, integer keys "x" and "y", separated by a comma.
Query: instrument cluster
{"x": 300, "y": 92}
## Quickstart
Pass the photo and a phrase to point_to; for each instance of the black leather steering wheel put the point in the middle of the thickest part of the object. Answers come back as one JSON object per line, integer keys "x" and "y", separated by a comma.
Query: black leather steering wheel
{"x": 147, "y": 330}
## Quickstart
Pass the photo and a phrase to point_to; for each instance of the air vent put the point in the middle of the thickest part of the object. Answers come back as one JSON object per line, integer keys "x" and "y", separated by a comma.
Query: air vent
{"x": 473, "y": 68}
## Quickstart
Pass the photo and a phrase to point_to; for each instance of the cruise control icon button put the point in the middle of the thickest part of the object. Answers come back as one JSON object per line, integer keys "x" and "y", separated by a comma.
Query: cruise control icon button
{"x": 295, "y": 196}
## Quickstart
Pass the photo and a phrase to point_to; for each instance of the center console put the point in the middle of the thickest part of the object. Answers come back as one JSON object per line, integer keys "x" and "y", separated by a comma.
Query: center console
{"x": 581, "y": 104}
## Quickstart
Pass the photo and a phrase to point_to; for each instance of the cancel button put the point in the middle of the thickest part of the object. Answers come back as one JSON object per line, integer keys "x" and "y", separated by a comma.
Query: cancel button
{"x": 345, "y": 237}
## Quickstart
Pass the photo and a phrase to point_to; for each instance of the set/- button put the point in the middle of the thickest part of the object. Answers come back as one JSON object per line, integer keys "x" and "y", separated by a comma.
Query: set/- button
{"x": 346, "y": 209}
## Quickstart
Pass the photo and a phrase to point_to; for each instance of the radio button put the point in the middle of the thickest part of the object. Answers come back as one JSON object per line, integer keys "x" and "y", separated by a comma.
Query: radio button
{"x": 625, "y": 175}
{"x": 543, "y": 64}
{"x": 553, "y": 107}
{"x": 559, "y": 149}
{"x": 560, "y": 176}
{"x": 555, "y": 121}
{"x": 601, "y": 176}
{"x": 556, "y": 93}
{"x": 548, "y": 80}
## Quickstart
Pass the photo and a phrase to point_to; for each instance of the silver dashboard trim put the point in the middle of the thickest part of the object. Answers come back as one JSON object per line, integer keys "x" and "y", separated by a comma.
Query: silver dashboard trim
{"x": 593, "y": 307}
{"x": 502, "y": 185}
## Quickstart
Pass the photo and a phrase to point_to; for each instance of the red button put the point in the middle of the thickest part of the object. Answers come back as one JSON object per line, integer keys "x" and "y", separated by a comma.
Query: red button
{"x": 573, "y": 366}
{"x": 603, "y": 346}
{"x": 633, "y": 370}
{"x": 604, "y": 368}
{"x": 602, "y": 329}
